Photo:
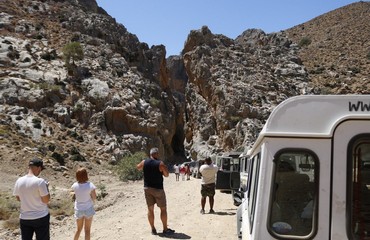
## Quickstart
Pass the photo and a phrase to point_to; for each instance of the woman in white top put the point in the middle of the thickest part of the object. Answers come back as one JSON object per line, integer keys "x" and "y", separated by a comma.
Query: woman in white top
{"x": 85, "y": 196}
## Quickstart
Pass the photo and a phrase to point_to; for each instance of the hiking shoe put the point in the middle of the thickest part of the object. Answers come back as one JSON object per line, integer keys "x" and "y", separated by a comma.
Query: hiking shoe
{"x": 168, "y": 231}
{"x": 211, "y": 211}
{"x": 202, "y": 211}
{"x": 154, "y": 231}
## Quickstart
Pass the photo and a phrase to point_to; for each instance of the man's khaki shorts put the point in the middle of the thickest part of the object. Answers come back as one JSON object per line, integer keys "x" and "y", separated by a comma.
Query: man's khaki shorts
{"x": 155, "y": 196}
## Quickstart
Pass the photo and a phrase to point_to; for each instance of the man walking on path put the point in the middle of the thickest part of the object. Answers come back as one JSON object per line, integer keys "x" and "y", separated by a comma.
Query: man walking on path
{"x": 154, "y": 170}
{"x": 33, "y": 193}
{"x": 208, "y": 171}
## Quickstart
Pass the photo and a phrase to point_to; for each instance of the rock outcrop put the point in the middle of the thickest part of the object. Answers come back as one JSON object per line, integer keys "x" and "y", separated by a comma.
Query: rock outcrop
{"x": 124, "y": 97}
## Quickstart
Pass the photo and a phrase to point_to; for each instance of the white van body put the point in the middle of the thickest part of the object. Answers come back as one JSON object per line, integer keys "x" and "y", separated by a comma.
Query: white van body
{"x": 309, "y": 172}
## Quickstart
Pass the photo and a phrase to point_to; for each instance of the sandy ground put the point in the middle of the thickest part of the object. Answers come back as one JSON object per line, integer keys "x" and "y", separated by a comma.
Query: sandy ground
{"x": 126, "y": 218}
{"x": 124, "y": 214}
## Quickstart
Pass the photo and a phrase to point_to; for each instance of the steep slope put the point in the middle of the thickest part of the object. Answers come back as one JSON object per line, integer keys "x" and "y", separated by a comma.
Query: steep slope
{"x": 234, "y": 84}
{"x": 114, "y": 102}
{"x": 336, "y": 49}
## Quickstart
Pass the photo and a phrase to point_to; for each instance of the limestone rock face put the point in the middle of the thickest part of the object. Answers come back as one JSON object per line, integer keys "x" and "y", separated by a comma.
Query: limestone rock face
{"x": 124, "y": 96}
{"x": 234, "y": 84}
{"x": 120, "y": 88}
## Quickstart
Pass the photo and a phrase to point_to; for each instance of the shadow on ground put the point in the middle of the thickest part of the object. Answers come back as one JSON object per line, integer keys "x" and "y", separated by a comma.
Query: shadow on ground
{"x": 175, "y": 236}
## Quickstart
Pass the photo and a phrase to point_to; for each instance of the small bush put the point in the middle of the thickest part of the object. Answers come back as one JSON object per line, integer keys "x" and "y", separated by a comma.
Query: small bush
{"x": 63, "y": 206}
{"x": 48, "y": 56}
{"x": 72, "y": 51}
{"x": 4, "y": 131}
{"x": 13, "y": 221}
{"x": 126, "y": 168}
{"x": 46, "y": 86}
{"x": 154, "y": 102}
{"x": 305, "y": 41}
{"x": 36, "y": 123}
{"x": 235, "y": 119}
{"x": 8, "y": 204}
{"x": 9, "y": 211}
{"x": 102, "y": 193}
{"x": 355, "y": 70}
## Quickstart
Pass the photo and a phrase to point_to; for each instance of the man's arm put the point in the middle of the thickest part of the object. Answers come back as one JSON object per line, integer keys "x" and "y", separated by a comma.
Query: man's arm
{"x": 140, "y": 166}
{"x": 45, "y": 199}
{"x": 164, "y": 170}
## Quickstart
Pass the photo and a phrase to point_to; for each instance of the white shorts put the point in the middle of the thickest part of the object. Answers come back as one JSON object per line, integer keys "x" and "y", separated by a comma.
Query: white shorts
{"x": 88, "y": 213}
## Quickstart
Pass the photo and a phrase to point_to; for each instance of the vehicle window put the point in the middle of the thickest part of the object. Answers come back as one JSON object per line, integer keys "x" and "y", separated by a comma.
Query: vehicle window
{"x": 294, "y": 194}
{"x": 359, "y": 158}
{"x": 225, "y": 164}
{"x": 245, "y": 164}
{"x": 252, "y": 192}
{"x": 235, "y": 165}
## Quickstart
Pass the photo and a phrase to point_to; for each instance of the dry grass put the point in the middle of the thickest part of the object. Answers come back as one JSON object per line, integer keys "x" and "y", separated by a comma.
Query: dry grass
{"x": 61, "y": 207}
{"x": 9, "y": 209}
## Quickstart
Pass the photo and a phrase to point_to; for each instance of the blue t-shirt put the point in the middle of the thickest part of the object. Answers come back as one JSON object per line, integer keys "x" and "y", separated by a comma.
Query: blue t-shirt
{"x": 153, "y": 178}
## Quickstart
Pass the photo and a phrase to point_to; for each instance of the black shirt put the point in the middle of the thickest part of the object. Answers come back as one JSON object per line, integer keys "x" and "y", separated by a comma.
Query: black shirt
{"x": 152, "y": 176}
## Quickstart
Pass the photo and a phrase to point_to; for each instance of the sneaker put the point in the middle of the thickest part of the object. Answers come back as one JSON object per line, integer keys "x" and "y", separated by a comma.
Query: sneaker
{"x": 168, "y": 231}
{"x": 211, "y": 211}
{"x": 154, "y": 231}
{"x": 202, "y": 211}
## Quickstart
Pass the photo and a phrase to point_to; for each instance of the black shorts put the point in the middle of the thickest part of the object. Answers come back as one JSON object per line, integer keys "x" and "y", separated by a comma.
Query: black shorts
{"x": 208, "y": 190}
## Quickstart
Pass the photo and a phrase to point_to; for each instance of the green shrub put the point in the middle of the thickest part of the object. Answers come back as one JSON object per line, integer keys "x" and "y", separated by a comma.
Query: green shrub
{"x": 126, "y": 168}
{"x": 305, "y": 41}
{"x": 36, "y": 123}
{"x": 8, "y": 205}
{"x": 72, "y": 51}
{"x": 48, "y": 86}
{"x": 61, "y": 206}
{"x": 235, "y": 119}
{"x": 154, "y": 102}
{"x": 102, "y": 193}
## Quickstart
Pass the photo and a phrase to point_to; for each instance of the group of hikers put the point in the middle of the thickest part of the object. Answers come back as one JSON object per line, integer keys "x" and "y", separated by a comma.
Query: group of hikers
{"x": 183, "y": 170}
{"x": 33, "y": 193}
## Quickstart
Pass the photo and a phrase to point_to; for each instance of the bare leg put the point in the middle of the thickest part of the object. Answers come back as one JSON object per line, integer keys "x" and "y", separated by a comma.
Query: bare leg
{"x": 211, "y": 202}
{"x": 203, "y": 202}
{"x": 164, "y": 217}
{"x": 88, "y": 222}
{"x": 151, "y": 216}
{"x": 80, "y": 224}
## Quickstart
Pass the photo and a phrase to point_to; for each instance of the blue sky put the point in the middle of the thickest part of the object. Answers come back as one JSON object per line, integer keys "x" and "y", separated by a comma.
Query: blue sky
{"x": 169, "y": 22}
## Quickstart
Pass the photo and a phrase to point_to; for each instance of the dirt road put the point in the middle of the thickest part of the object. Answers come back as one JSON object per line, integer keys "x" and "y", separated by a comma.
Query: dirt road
{"x": 125, "y": 217}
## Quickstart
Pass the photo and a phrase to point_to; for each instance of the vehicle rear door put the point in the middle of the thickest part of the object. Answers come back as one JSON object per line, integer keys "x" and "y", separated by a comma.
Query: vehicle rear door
{"x": 350, "y": 199}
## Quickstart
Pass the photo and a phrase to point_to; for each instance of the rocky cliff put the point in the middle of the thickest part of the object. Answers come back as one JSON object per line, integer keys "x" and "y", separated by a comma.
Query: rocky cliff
{"x": 124, "y": 96}
{"x": 115, "y": 101}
